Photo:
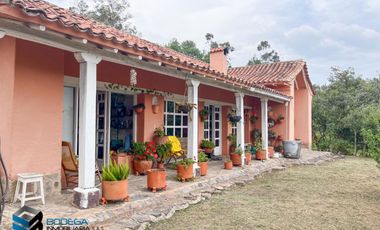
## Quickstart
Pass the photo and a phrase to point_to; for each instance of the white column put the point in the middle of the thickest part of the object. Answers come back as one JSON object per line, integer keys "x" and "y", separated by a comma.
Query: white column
{"x": 264, "y": 124}
{"x": 239, "y": 97}
{"x": 286, "y": 120}
{"x": 192, "y": 138}
{"x": 87, "y": 128}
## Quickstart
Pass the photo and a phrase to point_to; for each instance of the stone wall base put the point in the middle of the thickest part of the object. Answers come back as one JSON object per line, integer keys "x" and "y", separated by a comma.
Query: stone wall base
{"x": 86, "y": 198}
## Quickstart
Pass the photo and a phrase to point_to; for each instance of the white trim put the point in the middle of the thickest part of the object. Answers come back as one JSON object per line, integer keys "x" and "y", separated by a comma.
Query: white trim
{"x": 2, "y": 34}
{"x": 174, "y": 114}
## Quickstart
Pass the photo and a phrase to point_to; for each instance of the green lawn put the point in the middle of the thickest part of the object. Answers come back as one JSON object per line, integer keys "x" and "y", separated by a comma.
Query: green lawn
{"x": 344, "y": 194}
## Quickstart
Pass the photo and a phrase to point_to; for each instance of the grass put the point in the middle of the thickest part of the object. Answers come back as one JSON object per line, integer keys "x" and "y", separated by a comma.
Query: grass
{"x": 343, "y": 194}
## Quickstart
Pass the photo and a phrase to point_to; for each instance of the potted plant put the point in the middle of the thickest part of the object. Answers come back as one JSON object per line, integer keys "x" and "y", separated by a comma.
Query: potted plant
{"x": 272, "y": 136}
{"x": 260, "y": 153}
{"x": 204, "y": 114}
{"x": 254, "y": 118}
{"x": 144, "y": 154}
{"x": 139, "y": 108}
{"x": 119, "y": 157}
{"x": 236, "y": 156}
{"x": 248, "y": 154}
{"x": 228, "y": 164}
{"x": 202, "y": 162}
{"x": 233, "y": 118}
{"x": 115, "y": 182}
{"x": 185, "y": 107}
{"x": 185, "y": 169}
{"x": 270, "y": 112}
{"x": 270, "y": 151}
{"x": 159, "y": 136}
{"x": 163, "y": 151}
{"x": 232, "y": 139}
{"x": 156, "y": 179}
{"x": 271, "y": 122}
{"x": 207, "y": 146}
{"x": 279, "y": 119}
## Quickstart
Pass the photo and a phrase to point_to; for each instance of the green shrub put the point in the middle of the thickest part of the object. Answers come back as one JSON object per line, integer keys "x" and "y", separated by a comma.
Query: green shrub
{"x": 202, "y": 157}
{"x": 186, "y": 162}
{"x": 115, "y": 172}
{"x": 207, "y": 144}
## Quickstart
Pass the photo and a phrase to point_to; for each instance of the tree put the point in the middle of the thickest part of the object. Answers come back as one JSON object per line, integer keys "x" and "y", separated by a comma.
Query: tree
{"x": 110, "y": 12}
{"x": 190, "y": 48}
{"x": 266, "y": 55}
{"x": 346, "y": 115}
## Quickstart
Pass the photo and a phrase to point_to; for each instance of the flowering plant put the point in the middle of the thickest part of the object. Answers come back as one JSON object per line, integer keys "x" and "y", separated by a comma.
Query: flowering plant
{"x": 145, "y": 151}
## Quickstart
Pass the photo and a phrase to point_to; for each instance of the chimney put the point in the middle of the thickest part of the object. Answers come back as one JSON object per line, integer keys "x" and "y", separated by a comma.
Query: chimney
{"x": 218, "y": 59}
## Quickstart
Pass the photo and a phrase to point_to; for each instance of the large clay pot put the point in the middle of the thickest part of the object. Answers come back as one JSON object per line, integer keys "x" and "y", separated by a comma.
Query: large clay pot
{"x": 156, "y": 179}
{"x": 119, "y": 158}
{"x": 115, "y": 190}
{"x": 261, "y": 155}
{"x": 248, "y": 158}
{"x": 236, "y": 159}
{"x": 142, "y": 167}
{"x": 228, "y": 165}
{"x": 270, "y": 151}
{"x": 203, "y": 168}
{"x": 208, "y": 150}
{"x": 184, "y": 173}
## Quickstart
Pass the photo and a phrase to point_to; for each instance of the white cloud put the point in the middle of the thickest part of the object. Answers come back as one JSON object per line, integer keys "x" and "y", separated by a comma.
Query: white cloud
{"x": 325, "y": 33}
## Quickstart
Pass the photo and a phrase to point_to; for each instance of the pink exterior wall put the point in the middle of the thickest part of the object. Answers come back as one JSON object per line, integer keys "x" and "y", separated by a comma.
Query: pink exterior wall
{"x": 7, "y": 69}
{"x": 218, "y": 61}
{"x": 36, "y": 120}
{"x": 303, "y": 113}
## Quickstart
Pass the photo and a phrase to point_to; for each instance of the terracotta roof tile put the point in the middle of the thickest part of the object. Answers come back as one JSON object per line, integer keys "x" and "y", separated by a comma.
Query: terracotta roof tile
{"x": 68, "y": 19}
{"x": 273, "y": 73}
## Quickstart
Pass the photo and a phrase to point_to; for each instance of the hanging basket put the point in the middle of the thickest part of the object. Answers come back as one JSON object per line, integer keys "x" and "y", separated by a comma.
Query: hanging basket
{"x": 234, "y": 119}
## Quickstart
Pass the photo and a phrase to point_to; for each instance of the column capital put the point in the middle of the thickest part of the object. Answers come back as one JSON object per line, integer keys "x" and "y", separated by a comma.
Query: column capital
{"x": 239, "y": 94}
{"x": 192, "y": 82}
{"x": 87, "y": 57}
{"x": 2, "y": 34}
{"x": 264, "y": 99}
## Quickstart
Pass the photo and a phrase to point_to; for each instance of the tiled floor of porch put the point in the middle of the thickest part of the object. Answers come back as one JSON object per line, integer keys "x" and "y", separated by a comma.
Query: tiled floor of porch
{"x": 126, "y": 213}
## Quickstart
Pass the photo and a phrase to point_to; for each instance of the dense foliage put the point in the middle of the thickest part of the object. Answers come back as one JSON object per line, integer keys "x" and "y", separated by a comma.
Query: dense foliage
{"x": 346, "y": 114}
{"x": 110, "y": 12}
{"x": 115, "y": 172}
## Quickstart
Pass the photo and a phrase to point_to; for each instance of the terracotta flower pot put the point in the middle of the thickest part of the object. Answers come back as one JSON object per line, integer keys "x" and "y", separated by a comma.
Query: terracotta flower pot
{"x": 203, "y": 168}
{"x": 156, "y": 179}
{"x": 139, "y": 110}
{"x": 208, "y": 150}
{"x": 160, "y": 140}
{"x": 261, "y": 155}
{"x": 155, "y": 108}
{"x": 232, "y": 148}
{"x": 184, "y": 173}
{"x": 142, "y": 167}
{"x": 228, "y": 165}
{"x": 160, "y": 165}
{"x": 115, "y": 190}
{"x": 236, "y": 159}
{"x": 248, "y": 158}
{"x": 119, "y": 158}
{"x": 270, "y": 151}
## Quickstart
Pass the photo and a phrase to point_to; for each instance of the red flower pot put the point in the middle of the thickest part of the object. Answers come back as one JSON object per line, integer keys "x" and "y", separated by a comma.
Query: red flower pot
{"x": 184, "y": 172}
{"x": 203, "y": 168}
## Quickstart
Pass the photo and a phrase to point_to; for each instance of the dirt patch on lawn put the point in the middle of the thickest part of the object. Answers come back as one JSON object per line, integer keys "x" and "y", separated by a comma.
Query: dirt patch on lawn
{"x": 343, "y": 194}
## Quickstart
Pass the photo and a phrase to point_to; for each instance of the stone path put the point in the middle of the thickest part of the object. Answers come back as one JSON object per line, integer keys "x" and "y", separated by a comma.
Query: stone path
{"x": 146, "y": 207}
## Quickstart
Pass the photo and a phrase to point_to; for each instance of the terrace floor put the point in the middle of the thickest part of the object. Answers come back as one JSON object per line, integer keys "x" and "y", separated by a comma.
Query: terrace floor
{"x": 145, "y": 206}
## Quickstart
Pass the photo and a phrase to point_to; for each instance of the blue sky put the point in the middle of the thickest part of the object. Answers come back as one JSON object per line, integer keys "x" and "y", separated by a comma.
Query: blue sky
{"x": 325, "y": 33}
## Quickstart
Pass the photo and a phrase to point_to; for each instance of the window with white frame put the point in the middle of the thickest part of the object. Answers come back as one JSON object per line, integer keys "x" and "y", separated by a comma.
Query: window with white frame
{"x": 176, "y": 123}
{"x": 234, "y": 128}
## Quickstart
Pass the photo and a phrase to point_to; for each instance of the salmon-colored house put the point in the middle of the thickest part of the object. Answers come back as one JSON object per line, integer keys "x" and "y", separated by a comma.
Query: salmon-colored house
{"x": 62, "y": 77}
